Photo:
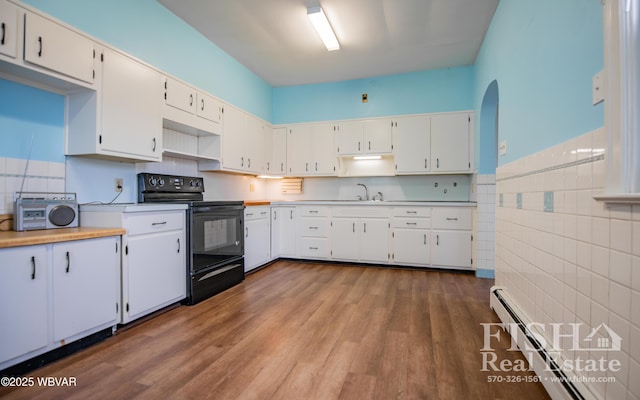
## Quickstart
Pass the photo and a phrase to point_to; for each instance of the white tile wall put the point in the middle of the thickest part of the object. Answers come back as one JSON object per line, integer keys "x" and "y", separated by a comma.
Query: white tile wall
{"x": 41, "y": 176}
{"x": 485, "y": 233}
{"x": 579, "y": 263}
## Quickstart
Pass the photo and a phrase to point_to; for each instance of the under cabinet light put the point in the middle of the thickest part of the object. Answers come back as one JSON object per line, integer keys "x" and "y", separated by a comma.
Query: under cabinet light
{"x": 321, "y": 24}
{"x": 367, "y": 157}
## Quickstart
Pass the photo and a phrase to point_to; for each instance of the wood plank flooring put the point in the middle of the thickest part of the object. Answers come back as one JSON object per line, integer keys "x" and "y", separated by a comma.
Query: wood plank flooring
{"x": 302, "y": 330}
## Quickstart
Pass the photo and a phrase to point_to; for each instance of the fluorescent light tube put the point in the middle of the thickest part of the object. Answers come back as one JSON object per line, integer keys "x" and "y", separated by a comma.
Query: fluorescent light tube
{"x": 367, "y": 157}
{"x": 321, "y": 24}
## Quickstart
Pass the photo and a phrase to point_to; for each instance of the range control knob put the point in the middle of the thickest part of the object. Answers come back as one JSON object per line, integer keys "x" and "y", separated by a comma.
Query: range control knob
{"x": 153, "y": 181}
{"x": 161, "y": 182}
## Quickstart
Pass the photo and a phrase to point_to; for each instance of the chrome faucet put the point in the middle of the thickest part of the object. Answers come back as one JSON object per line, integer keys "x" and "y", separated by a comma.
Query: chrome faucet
{"x": 379, "y": 196}
{"x": 366, "y": 191}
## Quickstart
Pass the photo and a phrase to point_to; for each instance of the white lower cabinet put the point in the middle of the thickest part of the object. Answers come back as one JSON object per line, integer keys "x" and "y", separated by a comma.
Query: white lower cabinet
{"x": 451, "y": 237}
{"x": 257, "y": 247}
{"x": 420, "y": 236}
{"x": 154, "y": 256}
{"x": 25, "y": 324}
{"x": 359, "y": 239}
{"x": 83, "y": 270}
{"x": 313, "y": 232}
{"x": 283, "y": 231}
{"x": 410, "y": 236}
{"x": 54, "y": 294}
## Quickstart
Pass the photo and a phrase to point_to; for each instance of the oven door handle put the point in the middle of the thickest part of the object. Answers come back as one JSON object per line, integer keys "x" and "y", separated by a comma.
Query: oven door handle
{"x": 219, "y": 271}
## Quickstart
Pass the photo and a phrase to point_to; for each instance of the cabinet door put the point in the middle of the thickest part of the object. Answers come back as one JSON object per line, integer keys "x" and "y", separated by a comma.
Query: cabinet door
{"x": 24, "y": 301}
{"x": 377, "y": 136}
{"x": 287, "y": 232}
{"x": 256, "y": 243}
{"x": 323, "y": 150}
{"x": 155, "y": 271}
{"x": 411, "y": 140}
{"x": 411, "y": 246}
{"x": 209, "y": 108}
{"x": 348, "y": 137}
{"x": 8, "y": 29}
{"x": 131, "y": 107}
{"x": 57, "y": 48}
{"x": 179, "y": 95}
{"x": 374, "y": 240}
{"x": 233, "y": 142}
{"x": 450, "y": 142}
{"x": 299, "y": 150}
{"x": 345, "y": 237}
{"x": 85, "y": 285}
{"x": 451, "y": 248}
{"x": 275, "y": 145}
{"x": 253, "y": 145}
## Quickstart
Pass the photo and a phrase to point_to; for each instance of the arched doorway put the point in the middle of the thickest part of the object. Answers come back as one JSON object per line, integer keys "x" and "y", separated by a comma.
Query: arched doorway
{"x": 486, "y": 183}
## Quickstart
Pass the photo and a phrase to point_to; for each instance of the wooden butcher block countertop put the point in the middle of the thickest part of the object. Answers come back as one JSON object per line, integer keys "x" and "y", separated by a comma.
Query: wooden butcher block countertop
{"x": 249, "y": 203}
{"x": 27, "y": 238}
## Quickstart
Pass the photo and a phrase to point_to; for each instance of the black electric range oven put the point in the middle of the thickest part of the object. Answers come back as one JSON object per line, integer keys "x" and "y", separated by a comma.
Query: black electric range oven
{"x": 215, "y": 240}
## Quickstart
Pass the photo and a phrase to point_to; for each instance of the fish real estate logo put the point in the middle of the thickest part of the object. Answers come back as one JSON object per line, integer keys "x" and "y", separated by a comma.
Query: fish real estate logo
{"x": 568, "y": 347}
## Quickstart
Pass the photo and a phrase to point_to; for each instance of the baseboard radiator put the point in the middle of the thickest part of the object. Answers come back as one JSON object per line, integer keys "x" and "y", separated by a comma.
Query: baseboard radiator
{"x": 555, "y": 381}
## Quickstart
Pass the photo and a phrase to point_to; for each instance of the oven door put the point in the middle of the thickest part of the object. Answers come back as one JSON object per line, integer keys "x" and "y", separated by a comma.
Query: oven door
{"x": 216, "y": 235}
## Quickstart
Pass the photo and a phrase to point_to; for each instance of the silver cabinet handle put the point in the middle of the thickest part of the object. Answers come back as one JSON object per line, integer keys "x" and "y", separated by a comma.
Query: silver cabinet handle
{"x": 437, "y": 240}
{"x": 178, "y": 245}
{"x": 68, "y": 262}
{"x": 315, "y": 228}
{"x": 452, "y": 219}
{"x": 412, "y": 223}
{"x": 33, "y": 267}
{"x": 412, "y": 212}
{"x": 354, "y": 227}
{"x": 365, "y": 227}
{"x": 158, "y": 223}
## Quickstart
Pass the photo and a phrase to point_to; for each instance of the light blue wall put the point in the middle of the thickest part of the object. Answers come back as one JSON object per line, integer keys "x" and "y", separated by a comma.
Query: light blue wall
{"x": 441, "y": 90}
{"x": 27, "y": 112}
{"x": 150, "y": 32}
{"x": 543, "y": 55}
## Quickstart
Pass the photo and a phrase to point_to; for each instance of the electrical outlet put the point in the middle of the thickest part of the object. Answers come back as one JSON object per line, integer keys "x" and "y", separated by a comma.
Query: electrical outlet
{"x": 118, "y": 185}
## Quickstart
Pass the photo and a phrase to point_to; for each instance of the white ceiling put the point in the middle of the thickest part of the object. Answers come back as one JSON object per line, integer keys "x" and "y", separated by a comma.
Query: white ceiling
{"x": 275, "y": 40}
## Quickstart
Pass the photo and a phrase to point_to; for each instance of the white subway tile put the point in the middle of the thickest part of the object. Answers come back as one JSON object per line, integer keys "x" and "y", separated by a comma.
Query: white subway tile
{"x": 635, "y": 238}
{"x": 621, "y": 235}
{"x": 620, "y": 268}
{"x": 600, "y": 260}
{"x": 635, "y": 310}
{"x": 600, "y": 290}
{"x": 600, "y": 233}
{"x": 620, "y": 300}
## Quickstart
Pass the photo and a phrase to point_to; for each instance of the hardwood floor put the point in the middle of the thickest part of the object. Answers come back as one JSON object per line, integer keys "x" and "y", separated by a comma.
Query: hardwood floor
{"x": 302, "y": 330}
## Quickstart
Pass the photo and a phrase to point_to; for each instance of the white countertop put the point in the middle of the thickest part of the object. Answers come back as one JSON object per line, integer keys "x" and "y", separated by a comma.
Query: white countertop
{"x": 132, "y": 207}
{"x": 409, "y": 203}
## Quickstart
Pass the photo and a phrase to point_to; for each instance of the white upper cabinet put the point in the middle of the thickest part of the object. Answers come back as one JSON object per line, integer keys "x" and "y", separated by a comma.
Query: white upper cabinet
{"x": 179, "y": 95}
{"x": 363, "y": 137}
{"x": 121, "y": 120}
{"x": 189, "y": 110}
{"x": 411, "y": 144}
{"x": 131, "y": 121}
{"x": 57, "y": 48}
{"x": 310, "y": 150}
{"x": 377, "y": 136}
{"x": 242, "y": 142}
{"x": 275, "y": 150}
{"x": 348, "y": 137}
{"x": 209, "y": 108}
{"x": 8, "y": 29}
{"x": 450, "y": 139}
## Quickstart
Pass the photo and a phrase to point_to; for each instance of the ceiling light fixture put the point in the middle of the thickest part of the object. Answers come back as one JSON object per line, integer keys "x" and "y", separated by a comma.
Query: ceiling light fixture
{"x": 322, "y": 26}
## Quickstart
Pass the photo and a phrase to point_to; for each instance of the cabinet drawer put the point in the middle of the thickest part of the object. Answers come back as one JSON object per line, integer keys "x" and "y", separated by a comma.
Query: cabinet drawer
{"x": 308, "y": 211}
{"x": 313, "y": 227}
{"x": 252, "y": 213}
{"x": 411, "y": 223}
{"x": 150, "y": 222}
{"x": 411, "y": 212}
{"x": 313, "y": 247}
{"x": 451, "y": 218}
